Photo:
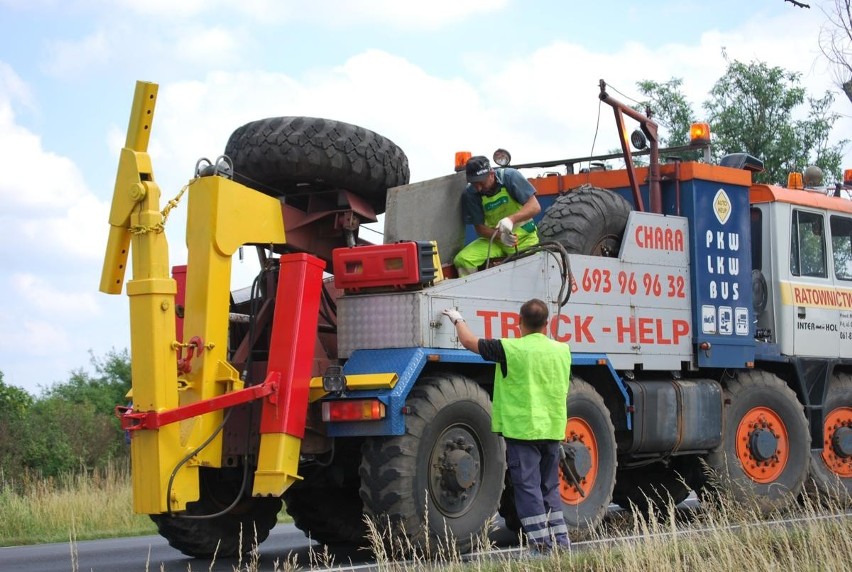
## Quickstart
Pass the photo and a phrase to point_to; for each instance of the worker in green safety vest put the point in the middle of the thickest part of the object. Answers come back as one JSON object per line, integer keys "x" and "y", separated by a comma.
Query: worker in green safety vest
{"x": 500, "y": 204}
{"x": 530, "y": 412}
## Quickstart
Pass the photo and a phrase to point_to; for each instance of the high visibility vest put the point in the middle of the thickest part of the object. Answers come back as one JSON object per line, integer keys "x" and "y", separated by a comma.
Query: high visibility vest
{"x": 500, "y": 205}
{"x": 530, "y": 403}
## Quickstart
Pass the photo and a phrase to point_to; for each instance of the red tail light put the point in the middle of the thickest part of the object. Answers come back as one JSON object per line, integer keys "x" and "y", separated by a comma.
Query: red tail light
{"x": 353, "y": 410}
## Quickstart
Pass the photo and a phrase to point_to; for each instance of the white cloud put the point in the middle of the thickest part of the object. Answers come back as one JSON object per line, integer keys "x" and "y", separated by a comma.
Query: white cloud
{"x": 71, "y": 232}
{"x": 69, "y": 59}
{"x": 35, "y": 338}
{"x": 49, "y": 300}
{"x": 210, "y": 47}
{"x": 426, "y": 115}
{"x": 41, "y": 182}
{"x": 13, "y": 90}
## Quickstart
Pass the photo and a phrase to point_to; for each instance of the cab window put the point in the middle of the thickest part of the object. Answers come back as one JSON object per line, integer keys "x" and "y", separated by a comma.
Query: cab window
{"x": 841, "y": 247}
{"x": 807, "y": 251}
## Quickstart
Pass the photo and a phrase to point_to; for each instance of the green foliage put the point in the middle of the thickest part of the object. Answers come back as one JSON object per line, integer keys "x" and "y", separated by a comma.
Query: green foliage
{"x": 671, "y": 110}
{"x": 15, "y": 405}
{"x": 104, "y": 390}
{"x": 756, "y": 109}
{"x": 71, "y": 427}
{"x": 14, "y": 401}
{"x": 751, "y": 109}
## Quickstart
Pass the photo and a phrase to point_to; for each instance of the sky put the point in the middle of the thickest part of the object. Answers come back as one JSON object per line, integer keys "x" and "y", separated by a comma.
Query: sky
{"x": 435, "y": 77}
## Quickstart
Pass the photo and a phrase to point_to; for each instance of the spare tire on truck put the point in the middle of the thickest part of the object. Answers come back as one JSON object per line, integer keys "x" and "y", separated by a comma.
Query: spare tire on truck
{"x": 292, "y": 156}
{"x": 586, "y": 220}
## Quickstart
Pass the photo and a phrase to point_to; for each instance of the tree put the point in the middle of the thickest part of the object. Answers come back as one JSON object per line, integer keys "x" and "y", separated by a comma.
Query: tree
{"x": 751, "y": 110}
{"x": 15, "y": 405}
{"x": 106, "y": 389}
{"x": 14, "y": 401}
{"x": 671, "y": 110}
{"x": 71, "y": 427}
{"x": 835, "y": 42}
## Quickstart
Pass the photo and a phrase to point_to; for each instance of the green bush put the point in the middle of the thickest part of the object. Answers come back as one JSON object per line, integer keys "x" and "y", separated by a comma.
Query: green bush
{"x": 71, "y": 427}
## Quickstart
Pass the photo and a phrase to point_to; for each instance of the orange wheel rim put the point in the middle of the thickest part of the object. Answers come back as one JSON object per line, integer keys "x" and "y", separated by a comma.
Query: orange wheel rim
{"x": 836, "y": 419}
{"x": 578, "y": 431}
{"x": 757, "y": 464}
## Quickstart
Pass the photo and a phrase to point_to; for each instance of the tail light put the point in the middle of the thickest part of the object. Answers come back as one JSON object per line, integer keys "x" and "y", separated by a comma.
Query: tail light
{"x": 353, "y": 410}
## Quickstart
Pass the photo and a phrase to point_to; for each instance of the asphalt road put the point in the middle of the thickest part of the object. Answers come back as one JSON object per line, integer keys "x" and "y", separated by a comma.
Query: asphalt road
{"x": 286, "y": 544}
{"x": 153, "y": 554}
{"x": 144, "y": 553}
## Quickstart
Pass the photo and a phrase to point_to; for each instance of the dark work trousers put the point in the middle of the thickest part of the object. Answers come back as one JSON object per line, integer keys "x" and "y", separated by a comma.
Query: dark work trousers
{"x": 534, "y": 471}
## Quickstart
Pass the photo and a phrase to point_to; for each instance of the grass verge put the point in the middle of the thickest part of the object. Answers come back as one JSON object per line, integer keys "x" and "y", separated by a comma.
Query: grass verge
{"x": 723, "y": 536}
{"x": 83, "y": 506}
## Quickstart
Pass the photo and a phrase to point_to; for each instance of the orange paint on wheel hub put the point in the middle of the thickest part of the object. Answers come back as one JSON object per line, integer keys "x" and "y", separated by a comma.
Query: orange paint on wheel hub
{"x": 759, "y": 427}
{"x": 578, "y": 431}
{"x": 836, "y": 419}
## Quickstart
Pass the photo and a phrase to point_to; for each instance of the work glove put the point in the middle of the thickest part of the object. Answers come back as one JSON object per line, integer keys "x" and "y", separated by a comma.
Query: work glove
{"x": 454, "y": 315}
{"x": 505, "y": 226}
{"x": 509, "y": 239}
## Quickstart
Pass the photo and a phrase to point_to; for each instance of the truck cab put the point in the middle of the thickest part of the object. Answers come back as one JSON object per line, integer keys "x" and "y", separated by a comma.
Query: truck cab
{"x": 802, "y": 247}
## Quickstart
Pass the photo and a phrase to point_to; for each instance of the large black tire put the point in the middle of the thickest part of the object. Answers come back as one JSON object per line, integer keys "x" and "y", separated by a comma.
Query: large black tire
{"x": 292, "y": 155}
{"x": 326, "y": 505}
{"x": 444, "y": 476}
{"x": 651, "y": 488}
{"x": 590, "y": 437}
{"x": 831, "y": 466}
{"x": 586, "y": 220}
{"x": 764, "y": 457}
{"x": 240, "y": 530}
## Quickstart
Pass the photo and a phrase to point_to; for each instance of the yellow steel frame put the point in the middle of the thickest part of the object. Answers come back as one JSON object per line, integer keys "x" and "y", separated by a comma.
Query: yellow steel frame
{"x": 222, "y": 215}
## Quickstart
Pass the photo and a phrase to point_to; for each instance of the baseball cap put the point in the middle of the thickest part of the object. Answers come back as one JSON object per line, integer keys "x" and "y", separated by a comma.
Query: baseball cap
{"x": 477, "y": 169}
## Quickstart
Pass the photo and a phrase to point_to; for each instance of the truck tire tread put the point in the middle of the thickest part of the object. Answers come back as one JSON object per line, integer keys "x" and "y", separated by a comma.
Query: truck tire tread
{"x": 293, "y": 155}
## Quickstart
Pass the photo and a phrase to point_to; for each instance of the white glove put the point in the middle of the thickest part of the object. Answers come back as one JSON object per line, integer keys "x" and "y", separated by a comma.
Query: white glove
{"x": 454, "y": 315}
{"x": 509, "y": 239}
{"x": 505, "y": 226}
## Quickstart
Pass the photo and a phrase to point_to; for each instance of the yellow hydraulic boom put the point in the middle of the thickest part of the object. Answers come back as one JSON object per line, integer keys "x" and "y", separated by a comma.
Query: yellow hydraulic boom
{"x": 177, "y": 413}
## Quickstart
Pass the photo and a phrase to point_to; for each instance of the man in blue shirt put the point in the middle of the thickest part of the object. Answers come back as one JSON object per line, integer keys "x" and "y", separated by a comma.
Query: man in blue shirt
{"x": 500, "y": 204}
{"x": 529, "y": 411}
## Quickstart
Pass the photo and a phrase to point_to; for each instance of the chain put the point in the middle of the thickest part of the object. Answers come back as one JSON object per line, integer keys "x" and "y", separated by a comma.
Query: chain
{"x": 160, "y": 226}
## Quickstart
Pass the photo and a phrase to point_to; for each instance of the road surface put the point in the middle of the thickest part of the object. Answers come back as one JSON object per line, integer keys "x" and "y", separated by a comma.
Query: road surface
{"x": 153, "y": 554}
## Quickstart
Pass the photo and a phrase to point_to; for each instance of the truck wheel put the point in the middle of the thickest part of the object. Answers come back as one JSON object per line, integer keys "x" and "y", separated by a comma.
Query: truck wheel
{"x": 590, "y": 442}
{"x": 831, "y": 466}
{"x": 240, "y": 530}
{"x": 650, "y": 488}
{"x": 443, "y": 477}
{"x": 587, "y": 220}
{"x": 765, "y": 450}
{"x": 293, "y": 155}
{"x": 325, "y": 505}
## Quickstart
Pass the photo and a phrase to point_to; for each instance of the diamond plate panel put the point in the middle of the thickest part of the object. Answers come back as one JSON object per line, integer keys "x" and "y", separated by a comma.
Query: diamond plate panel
{"x": 379, "y": 321}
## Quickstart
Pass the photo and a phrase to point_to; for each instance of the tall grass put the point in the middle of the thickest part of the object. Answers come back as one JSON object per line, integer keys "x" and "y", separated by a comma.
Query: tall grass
{"x": 81, "y": 505}
{"x": 723, "y": 536}
{"x": 811, "y": 536}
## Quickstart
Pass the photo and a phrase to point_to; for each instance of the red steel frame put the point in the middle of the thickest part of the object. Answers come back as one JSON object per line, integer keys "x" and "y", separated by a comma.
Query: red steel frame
{"x": 287, "y": 384}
